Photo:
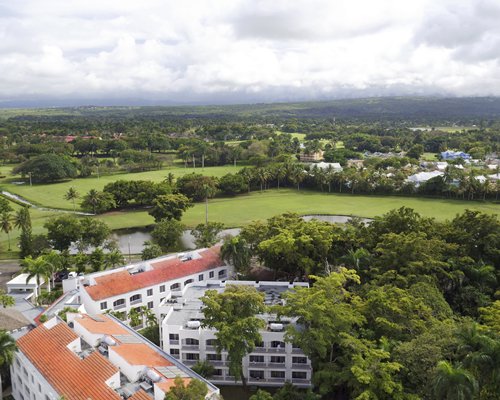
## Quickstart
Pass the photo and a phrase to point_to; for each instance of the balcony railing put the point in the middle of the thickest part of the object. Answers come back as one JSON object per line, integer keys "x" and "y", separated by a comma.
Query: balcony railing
{"x": 301, "y": 366}
{"x": 276, "y": 365}
{"x": 172, "y": 341}
{"x": 190, "y": 347}
{"x": 298, "y": 381}
{"x": 190, "y": 362}
{"x": 296, "y": 350}
{"x": 119, "y": 306}
{"x": 217, "y": 363}
{"x": 276, "y": 350}
{"x": 136, "y": 302}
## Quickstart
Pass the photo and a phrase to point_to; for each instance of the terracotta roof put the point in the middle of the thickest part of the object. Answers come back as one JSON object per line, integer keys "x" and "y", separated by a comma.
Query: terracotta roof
{"x": 140, "y": 354}
{"x": 140, "y": 395}
{"x": 102, "y": 324}
{"x": 167, "y": 384}
{"x": 68, "y": 374}
{"x": 163, "y": 271}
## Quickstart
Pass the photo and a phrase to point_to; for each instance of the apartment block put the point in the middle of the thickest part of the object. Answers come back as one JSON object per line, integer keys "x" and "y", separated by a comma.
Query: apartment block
{"x": 272, "y": 363}
{"x": 93, "y": 357}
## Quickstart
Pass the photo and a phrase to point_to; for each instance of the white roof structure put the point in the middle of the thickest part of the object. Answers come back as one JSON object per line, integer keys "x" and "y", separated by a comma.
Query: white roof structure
{"x": 441, "y": 165}
{"x": 20, "y": 283}
{"x": 326, "y": 165}
{"x": 494, "y": 177}
{"x": 424, "y": 176}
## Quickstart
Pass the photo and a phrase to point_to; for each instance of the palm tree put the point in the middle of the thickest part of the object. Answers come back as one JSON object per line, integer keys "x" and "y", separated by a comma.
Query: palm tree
{"x": 93, "y": 198}
{"x": 170, "y": 179}
{"x": 235, "y": 251}
{"x": 54, "y": 263}
{"x": 452, "y": 383}
{"x": 6, "y": 224}
{"x": 7, "y": 350}
{"x": 72, "y": 195}
{"x": 37, "y": 268}
{"x": 113, "y": 258}
{"x": 297, "y": 175}
{"x": 262, "y": 175}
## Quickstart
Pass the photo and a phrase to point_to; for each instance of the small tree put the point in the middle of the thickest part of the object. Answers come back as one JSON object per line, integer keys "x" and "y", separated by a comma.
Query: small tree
{"x": 167, "y": 233}
{"x": 261, "y": 395}
{"x": 150, "y": 250}
{"x": 22, "y": 221}
{"x": 206, "y": 234}
{"x": 7, "y": 351}
{"x": 233, "y": 314}
{"x": 72, "y": 195}
{"x": 194, "y": 390}
{"x": 6, "y": 224}
{"x": 203, "y": 368}
{"x": 169, "y": 206}
{"x": 5, "y": 299}
{"x": 98, "y": 202}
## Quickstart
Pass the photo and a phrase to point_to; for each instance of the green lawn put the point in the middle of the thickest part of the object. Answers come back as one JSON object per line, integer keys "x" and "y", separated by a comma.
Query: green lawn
{"x": 52, "y": 195}
{"x": 429, "y": 157}
{"x": 241, "y": 210}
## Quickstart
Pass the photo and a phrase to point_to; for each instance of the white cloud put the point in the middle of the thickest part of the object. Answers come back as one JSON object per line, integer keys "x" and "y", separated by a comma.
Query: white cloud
{"x": 247, "y": 49}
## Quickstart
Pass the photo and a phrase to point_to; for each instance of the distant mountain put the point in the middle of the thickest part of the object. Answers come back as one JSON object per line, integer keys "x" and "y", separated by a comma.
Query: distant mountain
{"x": 424, "y": 109}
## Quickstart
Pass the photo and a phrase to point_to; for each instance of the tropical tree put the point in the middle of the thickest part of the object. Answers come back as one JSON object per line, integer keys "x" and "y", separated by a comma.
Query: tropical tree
{"x": 204, "y": 369}
{"x": 234, "y": 315}
{"x": 453, "y": 383}
{"x": 5, "y": 299}
{"x": 194, "y": 390}
{"x": 6, "y": 224}
{"x": 36, "y": 268}
{"x": 72, "y": 195}
{"x": 150, "y": 250}
{"x": 235, "y": 251}
{"x": 206, "y": 234}
{"x": 7, "y": 351}
{"x": 169, "y": 206}
{"x": 22, "y": 220}
{"x": 113, "y": 259}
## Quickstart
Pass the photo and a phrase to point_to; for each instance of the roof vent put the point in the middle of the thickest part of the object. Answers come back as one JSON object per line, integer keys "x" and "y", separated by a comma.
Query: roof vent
{"x": 276, "y": 327}
{"x": 193, "y": 324}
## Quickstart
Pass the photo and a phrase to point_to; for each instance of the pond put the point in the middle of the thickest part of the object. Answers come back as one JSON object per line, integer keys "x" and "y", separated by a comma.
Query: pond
{"x": 131, "y": 241}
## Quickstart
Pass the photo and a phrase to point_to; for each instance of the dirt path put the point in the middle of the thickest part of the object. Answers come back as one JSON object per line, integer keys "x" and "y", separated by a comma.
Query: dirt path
{"x": 8, "y": 268}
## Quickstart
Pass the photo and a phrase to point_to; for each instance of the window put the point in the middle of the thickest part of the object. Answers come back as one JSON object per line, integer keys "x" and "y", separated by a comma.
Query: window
{"x": 136, "y": 298}
{"x": 214, "y": 357}
{"x": 119, "y": 303}
{"x": 150, "y": 304}
{"x": 211, "y": 342}
{"x": 188, "y": 282}
{"x": 40, "y": 388}
{"x": 278, "y": 359}
{"x": 192, "y": 356}
{"x": 299, "y": 375}
{"x": 161, "y": 300}
{"x": 217, "y": 372}
{"x": 104, "y": 305}
{"x": 175, "y": 286}
{"x": 173, "y": 336}
{"x": 174, "y": 352}
{"x": 278, "y": 374}
{"x": 162, "y": 288}
{"x": 256, "y": 359}
{"x": 222, "y": 273}
{"x": 149, "y": 292}
{"x": 200, "y": 277}
{"x": 192, "y": 342}
{"x": 211, "y": 274}
{"x": 256, "y": 374}
{"x": 299, "y": 360}
{"x": 277, "y": 344}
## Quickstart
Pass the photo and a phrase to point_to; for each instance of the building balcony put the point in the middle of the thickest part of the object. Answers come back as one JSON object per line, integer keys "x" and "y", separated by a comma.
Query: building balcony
{"x": 136, "y": 302}
{"x": 276, "y": 350}
{"x": 296, "y": 350}
{"x": 190, "y": 362}
{"x": 174, "y": 342}
{"x": 301, "y": 366}
{"x": 259, "y": 350}
{"x": 276, "y": 380}
{"x": 296, "y": 381}
{"x": 191, "y": 347}
{"x": 257, "y": 364}
{"x": 119, "y": 307}
{"x": 276, "y": 365}
{"x": 217, "y": 363}
{"x": 176, "y": 356}
{"x": 210, "y": 348}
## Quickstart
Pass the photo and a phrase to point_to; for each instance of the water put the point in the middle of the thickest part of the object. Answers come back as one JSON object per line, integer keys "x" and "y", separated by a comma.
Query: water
{"x": 132, "y": 241}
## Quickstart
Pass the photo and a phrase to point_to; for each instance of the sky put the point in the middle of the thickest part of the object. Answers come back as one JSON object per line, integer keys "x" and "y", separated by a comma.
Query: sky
{"x": 241, "y": 51}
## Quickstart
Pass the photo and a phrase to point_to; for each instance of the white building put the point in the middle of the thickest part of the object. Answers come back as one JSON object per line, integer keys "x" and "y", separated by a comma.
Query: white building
{"x": 95, "y": 358}
{"x": 272, "y": 363}
{"x": 422, "y": 177}
{"x": 335, "y": 166}
{"x": 22, "y": 283}
{"x": 146, "y": 283}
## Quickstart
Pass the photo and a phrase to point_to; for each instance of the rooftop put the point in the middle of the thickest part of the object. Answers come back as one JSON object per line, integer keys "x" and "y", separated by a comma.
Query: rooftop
{"x": 68, "y": 374}
{"x": 12, "y": 319}
{"x": 155, "y": 272}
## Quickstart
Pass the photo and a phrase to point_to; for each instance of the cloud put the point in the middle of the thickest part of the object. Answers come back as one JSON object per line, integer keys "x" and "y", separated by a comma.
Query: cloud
{"x": 246, "y": 50}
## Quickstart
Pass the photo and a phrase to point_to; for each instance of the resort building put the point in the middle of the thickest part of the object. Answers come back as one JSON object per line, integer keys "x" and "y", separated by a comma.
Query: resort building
{"x": 311, "y": 157}
{"x": 272, "y": 363}
{"x": 93, "y": 357}
{"x": 146, "y": 283}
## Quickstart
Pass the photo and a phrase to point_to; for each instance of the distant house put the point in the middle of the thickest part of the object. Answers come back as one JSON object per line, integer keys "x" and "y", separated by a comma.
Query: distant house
{"x": 355, "y": 163}
{"x": 325, "y": 165}
{"x": 311, "y": 157}
{"x": 453, "y": 155}
{"x": 422, "y": 177}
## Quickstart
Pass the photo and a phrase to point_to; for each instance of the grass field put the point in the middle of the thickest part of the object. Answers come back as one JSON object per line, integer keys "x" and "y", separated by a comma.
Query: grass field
{"x": 52, "y": 195}
{"x": 429, "y": 157}
{"x": 241, "y": 210}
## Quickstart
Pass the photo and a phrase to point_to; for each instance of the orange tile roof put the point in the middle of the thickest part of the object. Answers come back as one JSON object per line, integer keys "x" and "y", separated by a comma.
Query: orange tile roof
{"x": 163, "y": 271}
{"x": 169, "y": 383}
{"x": 140, "y": 354}
{"x": 106, "y": 326}
{"x": 68, "y": 374}
{"x": 140, "y": 395}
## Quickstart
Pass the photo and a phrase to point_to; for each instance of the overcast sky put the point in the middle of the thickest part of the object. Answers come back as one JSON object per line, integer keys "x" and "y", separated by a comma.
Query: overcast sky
{"x": 246, "y": 50}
